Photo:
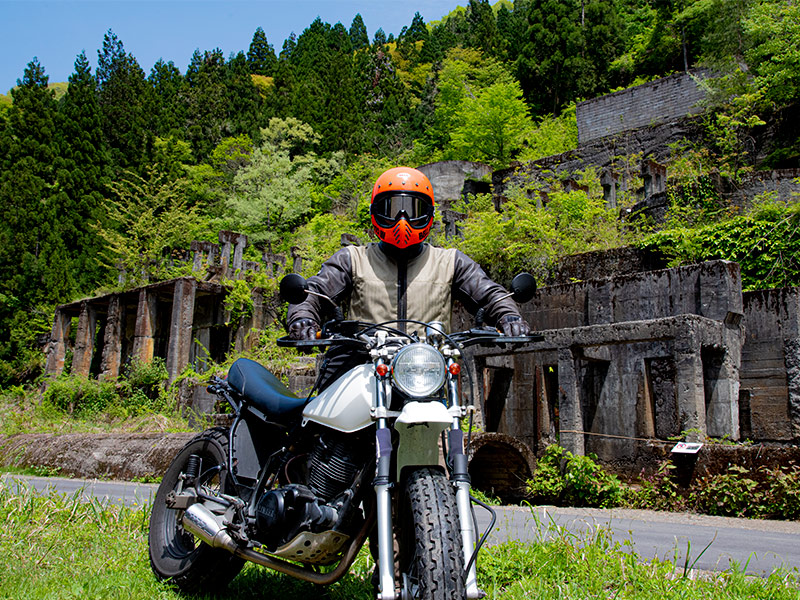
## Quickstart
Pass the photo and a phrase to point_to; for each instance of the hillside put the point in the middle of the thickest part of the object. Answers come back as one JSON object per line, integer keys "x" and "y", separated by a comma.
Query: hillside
{"x": 282, "y": 145}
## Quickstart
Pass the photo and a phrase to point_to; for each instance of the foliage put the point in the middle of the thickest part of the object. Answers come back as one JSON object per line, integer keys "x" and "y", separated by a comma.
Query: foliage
{"x": 79, "y": 395}
{"x": 564, "y": 479}
{"x": 732, "y": 494}
{"x": 148, "y": 218}
{"x": 492, "y": 125}
{"x": 765, "y": 242}
{"x": 658, "y": 491}
{"x": 552, "y": 135}
{"x": 538, "y": 223}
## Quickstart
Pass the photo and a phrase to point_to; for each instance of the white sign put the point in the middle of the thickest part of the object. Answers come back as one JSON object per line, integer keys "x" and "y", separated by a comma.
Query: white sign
{"x": 687, "y": 447}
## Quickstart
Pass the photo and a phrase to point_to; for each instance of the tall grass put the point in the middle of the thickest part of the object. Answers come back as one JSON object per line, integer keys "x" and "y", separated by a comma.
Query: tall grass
{"x": 60, "y": 547}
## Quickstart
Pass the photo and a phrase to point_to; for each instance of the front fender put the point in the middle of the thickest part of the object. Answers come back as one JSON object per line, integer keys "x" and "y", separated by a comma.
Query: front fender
{"x": 419, "y": 429}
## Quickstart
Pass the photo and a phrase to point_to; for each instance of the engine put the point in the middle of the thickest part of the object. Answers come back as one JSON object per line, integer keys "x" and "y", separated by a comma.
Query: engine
{"x": 321, "y": 503}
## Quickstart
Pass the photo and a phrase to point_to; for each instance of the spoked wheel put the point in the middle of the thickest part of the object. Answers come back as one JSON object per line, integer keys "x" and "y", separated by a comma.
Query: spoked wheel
{"x": 175, "y": 554}
{"x": 431, "y": 559}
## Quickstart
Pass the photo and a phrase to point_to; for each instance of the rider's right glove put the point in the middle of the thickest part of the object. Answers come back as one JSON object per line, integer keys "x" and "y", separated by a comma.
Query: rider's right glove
{"x": 513, "y": 325}
{"x": 303, "y": 329}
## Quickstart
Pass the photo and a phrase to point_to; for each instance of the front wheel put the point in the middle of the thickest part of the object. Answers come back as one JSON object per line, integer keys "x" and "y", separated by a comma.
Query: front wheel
{"x": 175, "y": 555}
{"x": 431, "y": 557}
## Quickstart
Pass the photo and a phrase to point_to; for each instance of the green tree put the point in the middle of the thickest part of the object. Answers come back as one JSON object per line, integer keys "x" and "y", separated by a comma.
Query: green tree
{"x": 358, "y": 33}
{"x": 483, "y": 32}
{"x": 33, "y": 258}
{"x": 276, "y": 191}
{"x": 207, "y": 101}
{"x": 123, "y": 97}
{"x": 261, "y": 59}
{"x": 773, "y": 29}
{"x": 464, "y": 73}
{"x": 83, "y": 169}
{"x": 491, "y": 126}
{"x": 552, "y": 66}
{"x": 148, "y": 218}
{"x": 168, "y": 109}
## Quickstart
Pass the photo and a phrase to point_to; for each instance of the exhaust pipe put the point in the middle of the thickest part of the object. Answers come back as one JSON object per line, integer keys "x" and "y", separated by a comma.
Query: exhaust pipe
{"x": 200, "y": 522}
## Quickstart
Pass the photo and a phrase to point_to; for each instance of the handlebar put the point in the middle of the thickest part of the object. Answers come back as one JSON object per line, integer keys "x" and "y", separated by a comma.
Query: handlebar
{"x": 472, "y": 337}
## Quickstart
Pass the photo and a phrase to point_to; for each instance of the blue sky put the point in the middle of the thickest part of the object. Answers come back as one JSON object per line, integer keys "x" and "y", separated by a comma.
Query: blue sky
{"x": 56, "y": 31}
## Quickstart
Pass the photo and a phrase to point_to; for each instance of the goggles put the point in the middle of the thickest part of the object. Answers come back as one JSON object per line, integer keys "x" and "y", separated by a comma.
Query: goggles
{"x": 389, "y": 208}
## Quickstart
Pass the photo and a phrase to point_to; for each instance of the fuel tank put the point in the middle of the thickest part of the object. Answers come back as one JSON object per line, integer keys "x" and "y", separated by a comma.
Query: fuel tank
{"x": 345, "y": 405}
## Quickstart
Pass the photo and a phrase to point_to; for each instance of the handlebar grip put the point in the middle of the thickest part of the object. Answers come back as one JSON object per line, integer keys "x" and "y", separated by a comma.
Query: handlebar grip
{"x": 287, "y": 342}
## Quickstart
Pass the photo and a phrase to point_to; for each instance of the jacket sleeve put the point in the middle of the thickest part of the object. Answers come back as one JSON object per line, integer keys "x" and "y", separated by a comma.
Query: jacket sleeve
{"x": 334, "y": 280}
{"x": 474, "y": 289}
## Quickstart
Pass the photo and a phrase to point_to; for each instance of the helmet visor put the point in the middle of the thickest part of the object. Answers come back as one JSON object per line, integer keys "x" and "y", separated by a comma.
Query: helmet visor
{"x": 389, "y": 208}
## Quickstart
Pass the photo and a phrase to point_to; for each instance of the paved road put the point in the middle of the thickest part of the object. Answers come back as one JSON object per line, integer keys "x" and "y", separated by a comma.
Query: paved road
{"x": 757, "y": 546}
{"x": 760, "y": 545}
{"x": 116, "y": 492}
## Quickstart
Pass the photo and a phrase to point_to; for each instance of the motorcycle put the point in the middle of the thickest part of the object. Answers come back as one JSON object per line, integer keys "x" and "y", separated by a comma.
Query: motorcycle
{"x": 299, "y": 485}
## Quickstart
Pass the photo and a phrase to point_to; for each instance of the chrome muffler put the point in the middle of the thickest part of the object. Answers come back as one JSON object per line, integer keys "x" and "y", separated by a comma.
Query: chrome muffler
{"x": 201, "y": 522}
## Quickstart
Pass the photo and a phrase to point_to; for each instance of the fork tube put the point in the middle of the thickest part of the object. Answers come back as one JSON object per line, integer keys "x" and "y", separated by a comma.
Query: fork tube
{"x": 383, "y": 498}
{"x": 461, "y": 480}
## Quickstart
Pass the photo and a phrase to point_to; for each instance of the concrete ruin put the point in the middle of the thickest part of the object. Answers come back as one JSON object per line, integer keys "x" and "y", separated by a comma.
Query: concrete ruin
{"x": 183, "y": 321}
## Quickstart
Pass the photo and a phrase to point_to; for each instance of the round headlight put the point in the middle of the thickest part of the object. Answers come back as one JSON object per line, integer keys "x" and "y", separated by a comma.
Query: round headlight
{"x": 418, "y": 370}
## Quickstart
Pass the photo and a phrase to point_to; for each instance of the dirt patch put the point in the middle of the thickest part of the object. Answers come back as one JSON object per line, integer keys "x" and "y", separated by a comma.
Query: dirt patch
{"x": 112, "y": 455}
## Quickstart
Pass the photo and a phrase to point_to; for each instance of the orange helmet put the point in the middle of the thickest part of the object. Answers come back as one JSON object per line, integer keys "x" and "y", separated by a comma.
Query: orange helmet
{"x": 402, "y": 207}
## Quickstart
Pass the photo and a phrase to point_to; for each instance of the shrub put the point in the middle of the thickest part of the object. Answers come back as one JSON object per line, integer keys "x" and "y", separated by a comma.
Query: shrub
{"x": 782, "y": 496}
{"x": 565, "y": 479}
{"x": 80, "y": 395}
{"x": 729, "y": 494}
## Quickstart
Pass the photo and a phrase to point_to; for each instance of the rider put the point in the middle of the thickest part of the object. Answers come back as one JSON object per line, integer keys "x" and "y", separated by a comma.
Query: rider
{"x": 402, "y": 277}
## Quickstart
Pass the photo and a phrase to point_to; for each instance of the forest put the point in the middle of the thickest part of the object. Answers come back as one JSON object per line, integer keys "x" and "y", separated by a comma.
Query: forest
{"x": 115, "y": 169}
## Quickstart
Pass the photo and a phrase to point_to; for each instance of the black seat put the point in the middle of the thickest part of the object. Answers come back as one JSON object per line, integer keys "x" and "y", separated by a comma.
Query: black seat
{"x": 262, "y": 388}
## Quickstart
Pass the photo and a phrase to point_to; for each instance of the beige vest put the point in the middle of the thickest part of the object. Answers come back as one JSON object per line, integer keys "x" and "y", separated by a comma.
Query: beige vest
{"x": 375, "y": 285}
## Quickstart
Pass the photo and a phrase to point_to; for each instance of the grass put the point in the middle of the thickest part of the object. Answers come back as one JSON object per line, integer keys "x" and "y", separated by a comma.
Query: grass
{"x": 59, "y": 547}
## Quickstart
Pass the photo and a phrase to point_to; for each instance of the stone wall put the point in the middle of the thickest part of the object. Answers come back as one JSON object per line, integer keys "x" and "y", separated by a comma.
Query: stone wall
{"x": 770, "y": 378}
{"x": 625, "y": 361}
{"x": 658, "y": 101}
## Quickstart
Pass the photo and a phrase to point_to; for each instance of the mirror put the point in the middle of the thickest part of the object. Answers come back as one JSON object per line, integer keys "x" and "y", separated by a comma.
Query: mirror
{"x": 523, "y": 287}
{"x": 293, "y": 288}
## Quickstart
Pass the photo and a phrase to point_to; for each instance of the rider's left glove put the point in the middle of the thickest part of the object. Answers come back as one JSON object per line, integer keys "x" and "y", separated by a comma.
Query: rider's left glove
{"x": 513, "y": 325}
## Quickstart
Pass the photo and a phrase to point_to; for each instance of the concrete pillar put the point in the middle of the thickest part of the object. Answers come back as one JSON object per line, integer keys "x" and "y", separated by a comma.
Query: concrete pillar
{"x": 690, "y": 386}
{"x": 112, "y": 339}
{"x": 297, "y": 260}
{"x": 569, "y": 404}
{"x": 791, "y": 357}
{"x": 57, "y": 346}
{"x": 84, "y": 340}
{"x": 144, "y": 334}
{"x": 721, "y": 384}
{"x": 233, "y": 245}
{"x": 179, "y": 346}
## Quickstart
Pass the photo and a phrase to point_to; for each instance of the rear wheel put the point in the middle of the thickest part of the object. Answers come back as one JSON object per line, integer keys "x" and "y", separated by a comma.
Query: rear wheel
{"x": 175, "y": 554}
{"x": 431, "y": 558}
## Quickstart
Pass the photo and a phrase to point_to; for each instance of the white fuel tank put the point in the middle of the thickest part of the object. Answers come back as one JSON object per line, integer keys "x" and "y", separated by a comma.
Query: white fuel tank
{"x": 345, "y": 405}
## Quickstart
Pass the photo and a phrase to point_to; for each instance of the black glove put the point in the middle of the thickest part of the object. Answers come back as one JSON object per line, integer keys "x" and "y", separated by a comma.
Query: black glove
{"x": 513, "y": 325}
{"x": 303, "y": 329}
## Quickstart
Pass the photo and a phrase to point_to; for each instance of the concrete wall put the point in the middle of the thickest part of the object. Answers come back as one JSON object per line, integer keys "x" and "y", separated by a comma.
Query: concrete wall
{"x": 770, "y": 376}
{"x": 658, "y": 101}
{"x": 624, "y": 361}
{"x": 450, "y": 176}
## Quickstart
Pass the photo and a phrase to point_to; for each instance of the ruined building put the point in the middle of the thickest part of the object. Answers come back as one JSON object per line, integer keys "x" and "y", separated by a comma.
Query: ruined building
{"x": 633, "y": 353}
